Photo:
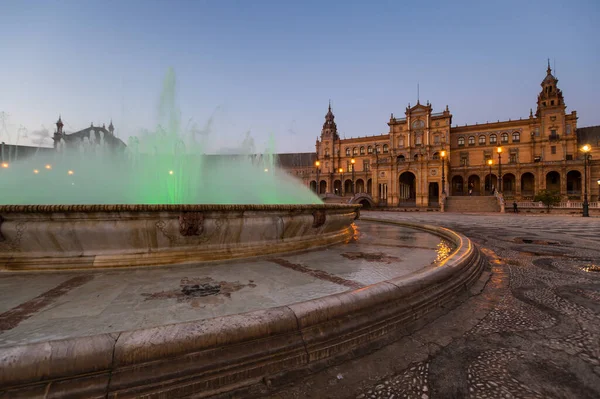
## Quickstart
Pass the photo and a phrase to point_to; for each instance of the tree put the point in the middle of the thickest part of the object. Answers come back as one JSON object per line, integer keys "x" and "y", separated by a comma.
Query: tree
{"x": 548, "y": 198}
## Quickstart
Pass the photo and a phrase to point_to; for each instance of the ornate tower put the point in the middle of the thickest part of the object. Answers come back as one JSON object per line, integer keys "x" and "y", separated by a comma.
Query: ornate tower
{"x": 59, "y": 131}
{"x": 111, "y": 128}
{"x": 550, "y": 100}
{"x": 329, "y": 131}
{"x": 327, "y": 144}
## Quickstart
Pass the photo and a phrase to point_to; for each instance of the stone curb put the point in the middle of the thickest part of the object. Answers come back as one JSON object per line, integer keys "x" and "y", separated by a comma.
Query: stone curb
{"x": 208, "y": 357}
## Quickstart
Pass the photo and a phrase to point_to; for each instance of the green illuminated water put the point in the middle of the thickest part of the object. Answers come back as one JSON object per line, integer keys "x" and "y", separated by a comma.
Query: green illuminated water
{"x": 166, "y": 166}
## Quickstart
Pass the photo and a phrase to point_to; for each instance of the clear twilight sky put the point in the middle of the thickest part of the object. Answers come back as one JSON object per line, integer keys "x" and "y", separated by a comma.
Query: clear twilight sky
{"x": 270, "y": 67}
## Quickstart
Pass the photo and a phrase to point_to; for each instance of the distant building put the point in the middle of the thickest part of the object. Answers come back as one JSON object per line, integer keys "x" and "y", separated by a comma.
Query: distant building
{"x": 404, "y": 166}
{"x": 91, "y": 134}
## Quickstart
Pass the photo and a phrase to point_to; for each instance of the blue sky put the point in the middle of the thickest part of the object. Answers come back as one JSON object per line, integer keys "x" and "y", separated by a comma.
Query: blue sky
{"x": 270, "y": 67}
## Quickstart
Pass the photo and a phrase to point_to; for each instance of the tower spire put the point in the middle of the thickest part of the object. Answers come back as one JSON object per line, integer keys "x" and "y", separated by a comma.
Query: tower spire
{"x": 549, "y": 70}
{"x": 418, "y": 93}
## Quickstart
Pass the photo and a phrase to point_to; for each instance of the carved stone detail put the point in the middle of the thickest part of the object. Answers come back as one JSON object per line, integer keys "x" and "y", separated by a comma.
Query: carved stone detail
{"x": 319, "y": 218}
{"x": 191, "y": 223}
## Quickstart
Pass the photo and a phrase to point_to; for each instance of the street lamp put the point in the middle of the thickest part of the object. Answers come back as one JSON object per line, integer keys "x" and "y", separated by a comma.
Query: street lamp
{"x": 490, "y": 162}
{"x": 586, "y": 148}
{"x": 341, "y": 170}
{"x": 317, "y": 164}
{"x": 598, "y": 190}
{"x": 443, "y": 155}
{"x": 353, "y": 161}
{"x": 499, "y": 169}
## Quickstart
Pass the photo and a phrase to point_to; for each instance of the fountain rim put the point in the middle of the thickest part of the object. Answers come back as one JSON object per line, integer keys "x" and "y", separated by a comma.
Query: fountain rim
{"x": 171, "y": 207}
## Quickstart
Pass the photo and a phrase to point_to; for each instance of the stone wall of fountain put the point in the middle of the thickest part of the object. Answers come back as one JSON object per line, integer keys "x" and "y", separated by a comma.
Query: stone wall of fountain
{"x": 91, "y": 236}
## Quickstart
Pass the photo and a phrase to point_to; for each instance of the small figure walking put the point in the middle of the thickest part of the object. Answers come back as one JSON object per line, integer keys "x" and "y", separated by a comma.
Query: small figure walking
{"x": 515, "y": 209}
{"x": 470, "y": 188}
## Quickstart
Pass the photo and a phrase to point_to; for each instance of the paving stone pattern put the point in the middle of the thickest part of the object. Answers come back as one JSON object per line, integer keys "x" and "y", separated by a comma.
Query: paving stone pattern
{"x": 533, "y": 331}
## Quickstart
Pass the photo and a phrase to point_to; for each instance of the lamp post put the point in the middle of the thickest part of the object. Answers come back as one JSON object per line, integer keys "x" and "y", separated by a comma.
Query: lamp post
{"x": 443, "y": 155}
{"x": 317, "y": 164}
{"x": 598, "y": 181}
{"x": 342, "y": 180}
{"x": 490, "y": 162}
{"x": 353, "y": 161}
{"x": 586, "y": 148}
{"x": 499, "y": 169}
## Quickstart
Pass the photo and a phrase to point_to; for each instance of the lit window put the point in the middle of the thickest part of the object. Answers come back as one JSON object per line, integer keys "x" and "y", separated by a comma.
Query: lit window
{"x": 516, "y": 137}
{"x": 461, "y": 141}
{"x": 355, "y": 151}
{"x": 347, "y": 152}
{"x": 385, "y": 148}
{"x": 481, "y": 140}
{"x": 362, "y": 150}
{"x": 493, "y": 139}
{"x": 504, "y": 138}
{"x": 471, "y": 140}
{"x": 369, "y": 150}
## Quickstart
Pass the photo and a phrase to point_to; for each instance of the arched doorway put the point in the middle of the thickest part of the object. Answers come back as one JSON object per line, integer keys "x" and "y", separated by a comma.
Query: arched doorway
{"x": 348, "y": 187}
{"x": 365, "y": 204}
{"x": 508, "y": 185}
{"x": 574, "y": 183}
{"x": 553, "y": 181}
{"x": 474, "y": 185}
{"x": 434, "y": 194}
{"x": 370, "y": 187}
{"x": 360, "y": 186}
{"x": 337, "y": 187}
{"x": 457, "y": 186}
{"x": 408, "y": 189}
{"x": 323, "y": 187}
{"x": 527, "y": 185}
{"x": 491, "y": 184}
{"x": 313, "y": 186}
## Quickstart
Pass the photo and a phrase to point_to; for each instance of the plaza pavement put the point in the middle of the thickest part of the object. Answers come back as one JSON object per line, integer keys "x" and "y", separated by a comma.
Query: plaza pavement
{"x": 533, "y": 331}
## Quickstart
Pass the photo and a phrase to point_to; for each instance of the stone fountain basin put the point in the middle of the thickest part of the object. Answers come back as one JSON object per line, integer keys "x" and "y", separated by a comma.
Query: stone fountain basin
{"x": 54, "y": 237}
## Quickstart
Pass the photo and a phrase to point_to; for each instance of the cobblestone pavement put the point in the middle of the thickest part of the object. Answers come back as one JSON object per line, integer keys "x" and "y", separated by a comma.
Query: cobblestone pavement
{"x": 532, "y": 332}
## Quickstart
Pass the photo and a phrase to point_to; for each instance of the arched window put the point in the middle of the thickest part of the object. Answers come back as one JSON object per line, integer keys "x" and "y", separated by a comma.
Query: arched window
{"x": 401, "y": 158}
{"x": 386, "y": 148}
{"x": 378, "y": 150}
{"x": 418, "y": 124}
{"x": 436, "y": 155}
{"x": 347, "y": 152}
{"x": 355, "y": 151}
{"x": 369, "y": 150}
{"x": 401, "y": 141}
{"x": 436, "y": 139}
{"x": 481, "y": 140}
{"x": 461, "y": 141}
{"x": 504, "y": 138}
{"x": 416, "y": 157}
{"x": 362, "y": 150}
{"x": 516, "y": 137}
{"x": 471, "y": 140}
{"x": 418, "y": 139}
{"x": 326, "y": 152}
{"x": 493, "y": 139}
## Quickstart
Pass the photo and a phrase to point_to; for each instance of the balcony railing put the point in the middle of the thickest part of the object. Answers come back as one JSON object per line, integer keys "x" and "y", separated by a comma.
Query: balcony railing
{"x": 554, "y": 137}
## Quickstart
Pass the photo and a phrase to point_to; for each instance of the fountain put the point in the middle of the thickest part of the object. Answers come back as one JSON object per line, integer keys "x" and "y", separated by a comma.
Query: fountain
{"x": 160, "y": 201}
